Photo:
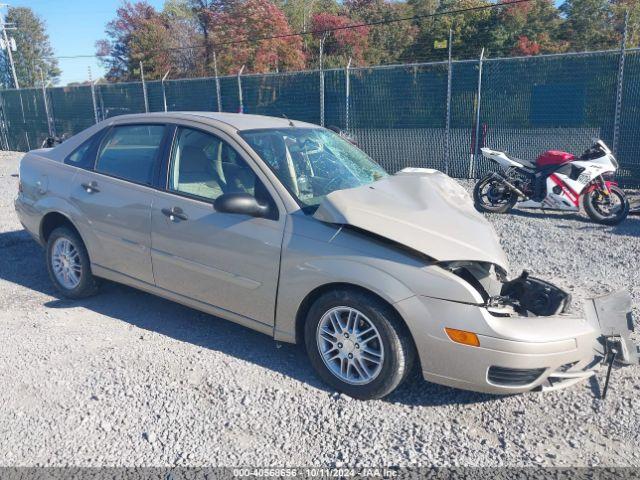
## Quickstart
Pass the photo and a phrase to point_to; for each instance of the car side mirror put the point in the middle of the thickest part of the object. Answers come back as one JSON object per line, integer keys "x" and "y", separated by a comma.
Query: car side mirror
{"x": 242, "y": 203}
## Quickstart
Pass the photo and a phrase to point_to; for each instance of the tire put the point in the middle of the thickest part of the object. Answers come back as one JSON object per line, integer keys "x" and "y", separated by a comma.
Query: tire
{"x": 509, "y": 198}
{"x": 393, "y": 340}
{"x": 86, "y": 284}
{"x": 595, "y": 212}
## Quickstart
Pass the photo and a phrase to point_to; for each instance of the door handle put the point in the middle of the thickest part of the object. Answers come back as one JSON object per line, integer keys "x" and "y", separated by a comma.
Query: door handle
{"x": 91, "y": 187}
{"x": 174, "y": 213}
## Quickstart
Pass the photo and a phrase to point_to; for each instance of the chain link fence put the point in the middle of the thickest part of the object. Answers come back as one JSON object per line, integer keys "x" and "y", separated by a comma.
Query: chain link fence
{"x": 401, "y": 115}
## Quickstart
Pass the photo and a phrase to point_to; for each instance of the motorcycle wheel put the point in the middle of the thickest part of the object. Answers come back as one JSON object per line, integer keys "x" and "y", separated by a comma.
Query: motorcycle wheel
{"x": 607, "y": 210}
{"x": 490, "y": 195}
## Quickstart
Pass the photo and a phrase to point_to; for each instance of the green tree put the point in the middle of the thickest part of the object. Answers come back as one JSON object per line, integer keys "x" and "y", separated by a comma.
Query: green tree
{"x": 589, "y": 24}
{"x": 620, "y": 8}
{"x": 471, "y": 30}
{"x": 387, "y": 42}
{"x": 33, "y": 51}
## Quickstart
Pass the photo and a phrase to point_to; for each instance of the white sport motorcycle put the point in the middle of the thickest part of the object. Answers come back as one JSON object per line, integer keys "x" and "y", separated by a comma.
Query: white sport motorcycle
{"x": 556, "y": 181}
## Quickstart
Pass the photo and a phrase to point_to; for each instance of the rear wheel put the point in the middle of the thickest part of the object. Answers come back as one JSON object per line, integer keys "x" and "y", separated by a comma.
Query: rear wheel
{"x": 606, "y": 209}
{"x": 68, "y": 264}
{"x": 357, "y": 344}
{"x": 491, "y": 195}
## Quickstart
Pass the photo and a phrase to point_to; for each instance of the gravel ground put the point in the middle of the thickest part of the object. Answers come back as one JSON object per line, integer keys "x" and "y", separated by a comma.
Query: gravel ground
{"x": 126, "y": 378}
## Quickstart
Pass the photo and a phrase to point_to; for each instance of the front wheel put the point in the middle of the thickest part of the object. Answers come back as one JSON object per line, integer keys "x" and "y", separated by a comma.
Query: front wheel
{"x": 606, "y": 209}
{"x": 357, "y": 344}
{"x": 491, "y": 195}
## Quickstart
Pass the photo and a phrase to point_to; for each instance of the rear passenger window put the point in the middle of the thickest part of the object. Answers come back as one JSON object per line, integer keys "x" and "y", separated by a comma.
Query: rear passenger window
{"x": 130, "y": 152}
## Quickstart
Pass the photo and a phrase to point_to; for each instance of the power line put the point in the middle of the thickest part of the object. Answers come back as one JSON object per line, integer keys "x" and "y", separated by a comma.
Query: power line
{"x": 323, "y": 31}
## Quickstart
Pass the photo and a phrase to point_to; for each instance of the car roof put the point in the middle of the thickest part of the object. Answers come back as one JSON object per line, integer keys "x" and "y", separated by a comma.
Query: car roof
{"x": 238, "y": 121}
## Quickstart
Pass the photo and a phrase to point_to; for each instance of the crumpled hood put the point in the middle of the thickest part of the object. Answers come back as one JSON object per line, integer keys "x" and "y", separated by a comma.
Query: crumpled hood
{"x": 423, "y": 209}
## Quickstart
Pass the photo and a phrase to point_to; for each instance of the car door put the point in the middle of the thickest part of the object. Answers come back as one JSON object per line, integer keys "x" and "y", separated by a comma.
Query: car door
{"x": 115, "y": 198}
{"x": 230, "y": 261}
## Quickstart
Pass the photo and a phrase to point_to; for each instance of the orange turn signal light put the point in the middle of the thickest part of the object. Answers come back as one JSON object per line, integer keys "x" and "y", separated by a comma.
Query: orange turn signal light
{"x": 460, "y": 336}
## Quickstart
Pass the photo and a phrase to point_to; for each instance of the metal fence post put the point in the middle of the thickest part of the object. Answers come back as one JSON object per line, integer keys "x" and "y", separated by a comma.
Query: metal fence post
{"x": 164, "y": 92}
{"x": 447, "y": 128}
{"x": 322, "y": 40}
{"x": 618, "y": 111}
{"x": 46, "y": 103}
{"x": 215, "y": 71}
{"x": 347, "y": 93}
{"x": 4, "y": 127}
{"x": 93, "y": 96}
{"x": 241, "y": 108}
{"x": 472, "y": 167}
{"x": 144, "y": 89}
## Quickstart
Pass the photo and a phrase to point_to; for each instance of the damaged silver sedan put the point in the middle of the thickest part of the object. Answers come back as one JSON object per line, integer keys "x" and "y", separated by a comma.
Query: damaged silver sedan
{"x": 289, "y": 229}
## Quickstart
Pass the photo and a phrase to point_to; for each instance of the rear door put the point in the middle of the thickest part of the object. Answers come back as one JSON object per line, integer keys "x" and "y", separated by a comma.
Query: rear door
{"x": 229, "y": 261}
{"x": 115, "y": 198}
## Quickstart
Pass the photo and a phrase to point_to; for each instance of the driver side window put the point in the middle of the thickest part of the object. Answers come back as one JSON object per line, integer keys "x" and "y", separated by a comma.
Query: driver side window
{"x": 204, "y": 166}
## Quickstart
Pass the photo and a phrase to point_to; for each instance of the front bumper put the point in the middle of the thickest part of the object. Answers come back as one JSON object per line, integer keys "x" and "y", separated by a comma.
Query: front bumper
{"x": 516, "y": 354}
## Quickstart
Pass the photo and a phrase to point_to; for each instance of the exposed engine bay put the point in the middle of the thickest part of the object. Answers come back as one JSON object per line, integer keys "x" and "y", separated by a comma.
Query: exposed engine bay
{"x": 524, "y": 295}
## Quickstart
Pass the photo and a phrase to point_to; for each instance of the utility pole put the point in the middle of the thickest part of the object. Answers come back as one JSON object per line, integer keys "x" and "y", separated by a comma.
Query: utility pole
{"x": 7, "y": 45}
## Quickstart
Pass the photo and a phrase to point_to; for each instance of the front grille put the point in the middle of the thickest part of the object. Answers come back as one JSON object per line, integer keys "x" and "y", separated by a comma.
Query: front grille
{"x": 513, "y": 377}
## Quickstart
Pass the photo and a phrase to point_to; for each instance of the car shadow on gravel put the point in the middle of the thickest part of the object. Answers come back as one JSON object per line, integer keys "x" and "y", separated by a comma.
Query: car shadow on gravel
{"x": 23, "y": 264}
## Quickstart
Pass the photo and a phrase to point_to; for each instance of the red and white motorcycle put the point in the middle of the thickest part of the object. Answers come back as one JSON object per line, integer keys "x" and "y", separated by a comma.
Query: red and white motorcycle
{"x": 556, "y": 181}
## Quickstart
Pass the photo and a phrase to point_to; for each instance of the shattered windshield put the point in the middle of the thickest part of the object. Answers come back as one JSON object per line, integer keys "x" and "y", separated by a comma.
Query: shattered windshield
{"x": 313, "y": 162}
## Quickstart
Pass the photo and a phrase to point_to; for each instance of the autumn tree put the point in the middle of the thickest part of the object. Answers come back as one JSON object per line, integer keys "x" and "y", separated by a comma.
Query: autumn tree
{"x": 188, "y": 57}
{"x": 33, "y": 53}
{"x": 206, "y": 14}
{"x": 138, "y": 33}
{"x": 340, "y": 43}
{"x": 254, "y": 33}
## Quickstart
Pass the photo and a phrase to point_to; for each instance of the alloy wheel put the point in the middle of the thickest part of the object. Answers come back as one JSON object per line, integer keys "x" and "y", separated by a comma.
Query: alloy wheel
{"x": 350, "y": 345}
{"x": 66, "y": 263}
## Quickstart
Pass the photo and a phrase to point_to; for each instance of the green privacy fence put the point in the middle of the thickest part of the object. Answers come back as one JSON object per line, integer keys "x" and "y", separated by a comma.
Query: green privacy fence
{"x": 401, "y": 115}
